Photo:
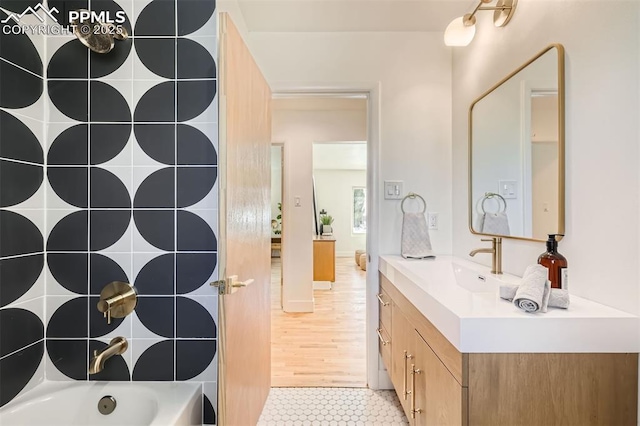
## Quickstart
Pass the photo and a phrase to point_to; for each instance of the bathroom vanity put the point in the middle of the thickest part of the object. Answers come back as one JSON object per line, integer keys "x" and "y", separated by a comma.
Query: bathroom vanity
{"x": 457, "y": 354}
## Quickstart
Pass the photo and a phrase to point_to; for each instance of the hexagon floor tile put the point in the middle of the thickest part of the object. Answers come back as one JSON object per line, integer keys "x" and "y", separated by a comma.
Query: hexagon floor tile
{"x": 332, "y": 406}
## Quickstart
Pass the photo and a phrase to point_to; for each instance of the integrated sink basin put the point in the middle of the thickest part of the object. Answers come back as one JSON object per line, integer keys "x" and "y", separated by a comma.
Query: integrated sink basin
{"x": 456, "y": 272}
{"x": 461, "y": 299}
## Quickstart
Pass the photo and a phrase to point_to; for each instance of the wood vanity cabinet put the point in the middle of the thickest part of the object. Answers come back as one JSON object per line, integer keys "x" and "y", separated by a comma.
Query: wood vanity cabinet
{"x": 324, "y": 259}
{"x": 439, "y": 386}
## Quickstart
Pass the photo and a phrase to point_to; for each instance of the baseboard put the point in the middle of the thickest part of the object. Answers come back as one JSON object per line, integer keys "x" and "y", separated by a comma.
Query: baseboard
{"x": 298, "y": 306}
{"x": 322, "y": 285}
{"x": 345, "y": 254}
{"x": 384, "y": 382}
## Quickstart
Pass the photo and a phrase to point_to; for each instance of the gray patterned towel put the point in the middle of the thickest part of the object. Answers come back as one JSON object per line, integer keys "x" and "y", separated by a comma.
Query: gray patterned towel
{"x": 416, "y": 243}
{"x": 495, "y": 223}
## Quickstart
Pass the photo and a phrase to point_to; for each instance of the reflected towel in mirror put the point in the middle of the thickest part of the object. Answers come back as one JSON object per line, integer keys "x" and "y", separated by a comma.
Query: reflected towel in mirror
{"x": 495, "y": 223}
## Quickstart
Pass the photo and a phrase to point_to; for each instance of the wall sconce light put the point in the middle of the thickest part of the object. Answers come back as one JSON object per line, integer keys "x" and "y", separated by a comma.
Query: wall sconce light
{"x": 461, "y": 30}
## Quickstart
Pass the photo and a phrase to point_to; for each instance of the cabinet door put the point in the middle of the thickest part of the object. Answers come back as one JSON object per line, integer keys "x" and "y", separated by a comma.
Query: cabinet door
{"x": 438, "y": 396}
{"x": 402, "y": 354}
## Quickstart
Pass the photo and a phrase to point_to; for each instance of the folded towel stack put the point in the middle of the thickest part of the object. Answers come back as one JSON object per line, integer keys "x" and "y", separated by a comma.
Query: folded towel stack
{"x": 533, "y": 294}
{"x": 557, "y": 298}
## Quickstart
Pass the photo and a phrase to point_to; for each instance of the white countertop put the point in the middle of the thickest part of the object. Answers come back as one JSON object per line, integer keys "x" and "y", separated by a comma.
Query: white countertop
{"x": 482, "y": 322}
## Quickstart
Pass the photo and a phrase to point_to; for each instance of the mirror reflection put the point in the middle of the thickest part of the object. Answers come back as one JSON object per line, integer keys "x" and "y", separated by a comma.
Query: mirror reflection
{"x": 516, "y": 139}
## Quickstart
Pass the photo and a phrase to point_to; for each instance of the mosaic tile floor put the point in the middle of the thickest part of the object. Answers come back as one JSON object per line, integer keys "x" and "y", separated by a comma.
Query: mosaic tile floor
{"x": 332, "y": 406}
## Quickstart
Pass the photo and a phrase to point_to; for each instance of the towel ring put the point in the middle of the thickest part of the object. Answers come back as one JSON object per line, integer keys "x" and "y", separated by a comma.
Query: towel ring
{"x": 413, "y": 196}
{"x": 490, "y": 196}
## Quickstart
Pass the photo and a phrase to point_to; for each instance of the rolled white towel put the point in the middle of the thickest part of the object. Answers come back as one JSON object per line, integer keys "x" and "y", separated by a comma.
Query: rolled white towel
{"x": 533, "y": 294}
{"x": 557, "y": 298}
{"x": 508, "y": 291}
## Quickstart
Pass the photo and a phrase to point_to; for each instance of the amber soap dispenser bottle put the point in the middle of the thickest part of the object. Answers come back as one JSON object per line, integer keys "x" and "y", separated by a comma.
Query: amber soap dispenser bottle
{"x": 555, "y": 263}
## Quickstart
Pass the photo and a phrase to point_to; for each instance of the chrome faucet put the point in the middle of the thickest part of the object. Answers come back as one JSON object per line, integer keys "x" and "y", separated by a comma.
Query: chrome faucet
{"x": 496, "y": 254}
{"x": 117, "y": 346}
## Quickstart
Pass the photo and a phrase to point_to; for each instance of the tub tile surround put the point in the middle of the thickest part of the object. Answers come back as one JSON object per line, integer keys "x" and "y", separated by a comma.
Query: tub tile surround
{"x": 114, "y": 190}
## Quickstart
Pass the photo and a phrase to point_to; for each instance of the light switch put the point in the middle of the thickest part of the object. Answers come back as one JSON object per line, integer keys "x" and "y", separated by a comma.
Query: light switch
{"x": 393, "y": 190}
{"x": 296, "y": 201}
{"x": 508, "y": 188}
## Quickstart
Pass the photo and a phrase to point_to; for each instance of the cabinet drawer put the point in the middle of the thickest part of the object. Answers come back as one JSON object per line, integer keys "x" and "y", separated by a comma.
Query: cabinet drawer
{"x": 384, "y": 301}
{"x": 384, "y": 345}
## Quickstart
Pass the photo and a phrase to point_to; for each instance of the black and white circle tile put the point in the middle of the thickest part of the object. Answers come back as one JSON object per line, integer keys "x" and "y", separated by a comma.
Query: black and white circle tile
{"x": 122, "y": 186}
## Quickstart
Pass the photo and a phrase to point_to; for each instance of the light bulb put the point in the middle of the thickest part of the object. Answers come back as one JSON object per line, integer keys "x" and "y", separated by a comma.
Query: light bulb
{"x": 459, "y": 34}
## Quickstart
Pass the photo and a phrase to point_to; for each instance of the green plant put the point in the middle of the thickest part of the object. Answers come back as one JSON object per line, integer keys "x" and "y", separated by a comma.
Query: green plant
{"x": 326, "y": 219}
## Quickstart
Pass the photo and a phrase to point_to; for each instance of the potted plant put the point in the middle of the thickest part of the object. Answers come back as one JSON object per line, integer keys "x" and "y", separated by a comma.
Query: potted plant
{"x": 326, "y": 221}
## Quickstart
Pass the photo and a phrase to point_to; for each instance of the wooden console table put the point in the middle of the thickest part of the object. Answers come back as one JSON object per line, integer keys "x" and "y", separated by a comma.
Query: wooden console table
{"x": 324, "y": 259}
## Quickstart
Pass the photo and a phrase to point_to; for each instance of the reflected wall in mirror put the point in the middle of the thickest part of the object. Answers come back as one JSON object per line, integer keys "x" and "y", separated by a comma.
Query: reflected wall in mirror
{"x": 516, "y": 152}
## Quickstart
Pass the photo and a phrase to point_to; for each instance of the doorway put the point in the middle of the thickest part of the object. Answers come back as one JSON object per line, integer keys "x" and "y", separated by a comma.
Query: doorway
{"x": 323, "y": 343}
{"x": 277, "y": 172}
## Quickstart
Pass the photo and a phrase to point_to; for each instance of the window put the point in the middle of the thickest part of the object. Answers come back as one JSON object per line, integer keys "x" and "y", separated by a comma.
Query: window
{"x": 359, "y": 210}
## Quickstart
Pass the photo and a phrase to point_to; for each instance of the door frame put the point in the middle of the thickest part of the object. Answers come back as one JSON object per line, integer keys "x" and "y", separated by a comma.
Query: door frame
{"x": 377, "y": 377}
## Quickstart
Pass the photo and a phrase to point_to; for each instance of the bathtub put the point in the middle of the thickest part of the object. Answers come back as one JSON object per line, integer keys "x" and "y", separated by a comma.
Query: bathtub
{"x": 76, "y": 403}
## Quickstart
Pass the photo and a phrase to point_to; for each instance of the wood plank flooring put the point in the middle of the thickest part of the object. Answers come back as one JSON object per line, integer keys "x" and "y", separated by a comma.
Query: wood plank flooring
{"x": 326, "y": 347}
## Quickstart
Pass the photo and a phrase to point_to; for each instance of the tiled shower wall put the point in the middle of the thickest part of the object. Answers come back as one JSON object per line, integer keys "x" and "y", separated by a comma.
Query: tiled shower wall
{"x": 109, "y": 174}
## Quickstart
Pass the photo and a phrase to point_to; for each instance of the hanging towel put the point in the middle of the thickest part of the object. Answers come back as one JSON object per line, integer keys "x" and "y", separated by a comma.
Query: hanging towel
{"x": 533, "y": 294}
{"x": 479, "y": 223}
{"x": 416, "y": 243}
{"x": 495, "y": 223}
{"x": 558, "y": 298}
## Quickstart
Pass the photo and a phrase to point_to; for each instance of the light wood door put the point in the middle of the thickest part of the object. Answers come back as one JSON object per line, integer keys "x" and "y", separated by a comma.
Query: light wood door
{"x": 438, "y": 396}
{"x": 402, "y": 355}
{"x": 245, "y": 228}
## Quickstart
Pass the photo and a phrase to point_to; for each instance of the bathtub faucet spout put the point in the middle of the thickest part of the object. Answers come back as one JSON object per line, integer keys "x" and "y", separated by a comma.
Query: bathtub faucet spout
{"x": 116, "y": 346}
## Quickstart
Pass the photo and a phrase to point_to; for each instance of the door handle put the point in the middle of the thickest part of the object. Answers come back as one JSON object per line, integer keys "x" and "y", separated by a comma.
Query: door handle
{"x": 235, "y": 285}
{"x": 231, "y": 284}
{"x": 414, "y": 410}
{"x": 382, "y": 302}
{"x": 384, "y": 342}
{"x": 405, "y": 392}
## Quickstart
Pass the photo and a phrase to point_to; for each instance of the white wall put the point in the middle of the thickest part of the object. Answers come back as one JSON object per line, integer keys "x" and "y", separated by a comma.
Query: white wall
{"x": 334, "y": 193}
{"x": 602, "y": 132}
{"x": 414, "y": 72}
{"x": 297, "y": 125}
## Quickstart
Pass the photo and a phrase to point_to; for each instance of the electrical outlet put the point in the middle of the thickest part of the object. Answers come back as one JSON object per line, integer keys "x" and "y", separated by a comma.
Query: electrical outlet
{"x": 432, "y": 220}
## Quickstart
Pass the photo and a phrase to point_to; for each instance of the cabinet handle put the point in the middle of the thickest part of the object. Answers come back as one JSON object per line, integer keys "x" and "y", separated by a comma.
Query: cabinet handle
{"x": 405, "y": 392}
{"x": 414, "y": 410}
{"x": 382, "y": 302}
{"x": 384, "y": 342}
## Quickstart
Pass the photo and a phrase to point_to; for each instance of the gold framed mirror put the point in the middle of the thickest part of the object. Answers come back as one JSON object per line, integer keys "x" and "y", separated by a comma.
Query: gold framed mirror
{"x": 516, "y": 152}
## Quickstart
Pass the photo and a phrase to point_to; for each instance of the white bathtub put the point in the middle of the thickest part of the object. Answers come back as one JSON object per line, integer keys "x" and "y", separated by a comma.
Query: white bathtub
{"x": 76, "y": 403}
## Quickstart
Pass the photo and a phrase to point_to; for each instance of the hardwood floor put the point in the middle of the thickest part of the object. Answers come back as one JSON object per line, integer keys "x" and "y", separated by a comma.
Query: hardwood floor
{"x": 326, "y": 347}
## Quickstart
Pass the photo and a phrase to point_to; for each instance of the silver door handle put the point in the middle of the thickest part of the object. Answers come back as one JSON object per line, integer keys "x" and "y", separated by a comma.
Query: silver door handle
{"x": 231, "y": 284}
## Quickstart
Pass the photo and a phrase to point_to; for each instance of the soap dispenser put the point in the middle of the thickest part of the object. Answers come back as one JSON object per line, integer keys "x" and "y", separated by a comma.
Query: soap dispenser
{"x": 555, "y": 263}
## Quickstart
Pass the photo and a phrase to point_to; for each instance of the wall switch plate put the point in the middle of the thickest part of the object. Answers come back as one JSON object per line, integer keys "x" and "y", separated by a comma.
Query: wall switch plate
{"x": 393, "y": 190}
{"x": 508, "y": 188}
{"x": 432, "y": 220}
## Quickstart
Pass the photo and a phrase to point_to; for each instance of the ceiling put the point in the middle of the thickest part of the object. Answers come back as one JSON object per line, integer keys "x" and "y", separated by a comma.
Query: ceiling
{"x": 351, "y": 15}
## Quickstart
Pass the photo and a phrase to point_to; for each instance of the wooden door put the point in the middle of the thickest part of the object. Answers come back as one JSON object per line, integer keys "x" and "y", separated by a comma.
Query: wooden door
{"x": 438, "y": 396}
{"x": 402, "y": 355}
{"x": 245, "y": 232}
